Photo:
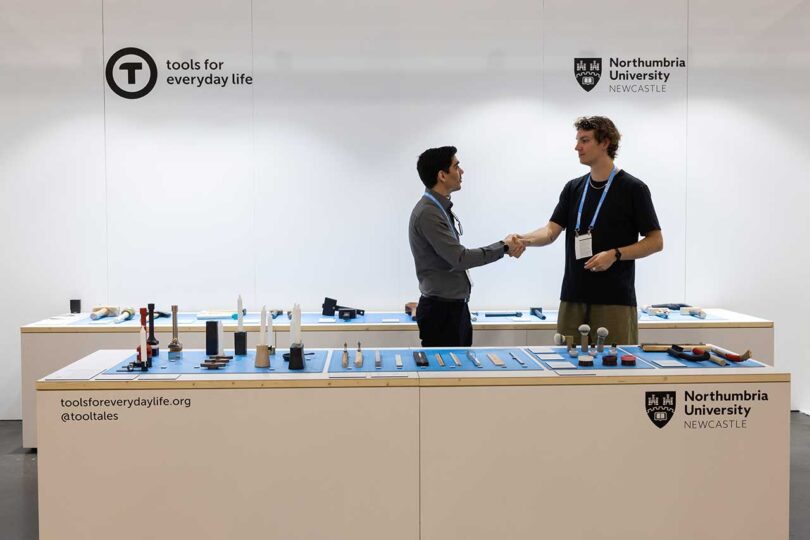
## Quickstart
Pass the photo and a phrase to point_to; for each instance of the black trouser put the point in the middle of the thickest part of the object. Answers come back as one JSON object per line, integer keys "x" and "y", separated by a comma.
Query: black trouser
{"x": 444, "y": 323}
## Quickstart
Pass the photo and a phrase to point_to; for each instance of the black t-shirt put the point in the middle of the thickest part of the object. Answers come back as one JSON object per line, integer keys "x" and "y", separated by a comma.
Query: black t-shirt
{"x": 627, "y": 212}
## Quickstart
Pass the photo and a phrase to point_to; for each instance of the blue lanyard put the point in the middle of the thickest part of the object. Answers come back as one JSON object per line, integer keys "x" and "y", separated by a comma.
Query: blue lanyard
{"x": 437, "y": 203}
{"x": 598, "y": 206}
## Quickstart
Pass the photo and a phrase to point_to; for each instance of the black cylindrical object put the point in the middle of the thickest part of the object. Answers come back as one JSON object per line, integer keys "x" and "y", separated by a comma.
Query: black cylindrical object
{"x": 211, "y": 338}
{"x": 75, "y": 306}
{"x": 240, "y": 343}
{"x": 296, "y": 357}
{"x": 152, "y": 340}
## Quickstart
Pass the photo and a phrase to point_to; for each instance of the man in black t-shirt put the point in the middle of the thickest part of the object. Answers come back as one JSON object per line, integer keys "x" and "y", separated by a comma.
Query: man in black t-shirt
{"x": 603, "y": 214}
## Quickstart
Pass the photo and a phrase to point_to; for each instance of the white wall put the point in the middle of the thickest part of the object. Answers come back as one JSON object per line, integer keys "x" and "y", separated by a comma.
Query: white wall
{"x": 52, "y": 184}
{"x": 748, "y": 161}
{"x": 300, "y": 185}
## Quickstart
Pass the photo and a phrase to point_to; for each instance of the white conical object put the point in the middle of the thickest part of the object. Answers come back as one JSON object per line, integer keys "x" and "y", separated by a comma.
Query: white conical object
{"x": 143, "y": 345}
{"x": 240, "y": 323}
{"x": 295, "y": 325}
{"x": 263, "y": 327}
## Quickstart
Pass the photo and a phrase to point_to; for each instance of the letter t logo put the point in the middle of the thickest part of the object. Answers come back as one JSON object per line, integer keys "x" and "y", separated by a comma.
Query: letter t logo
{"x": 131, "y": 68}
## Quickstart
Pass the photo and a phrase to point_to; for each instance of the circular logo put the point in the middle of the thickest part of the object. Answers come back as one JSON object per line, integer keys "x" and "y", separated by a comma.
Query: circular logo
{"x": 131, "y": 73}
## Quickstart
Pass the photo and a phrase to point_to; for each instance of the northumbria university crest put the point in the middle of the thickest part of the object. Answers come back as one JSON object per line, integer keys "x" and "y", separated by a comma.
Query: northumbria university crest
{"x": 587, "y": 71}
{"x": 660, "y": 407}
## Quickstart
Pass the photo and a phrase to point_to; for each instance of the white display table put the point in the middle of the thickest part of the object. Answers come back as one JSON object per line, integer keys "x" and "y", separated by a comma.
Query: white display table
{"x": 50, "y": 344}
{"x": 413, "y": 454}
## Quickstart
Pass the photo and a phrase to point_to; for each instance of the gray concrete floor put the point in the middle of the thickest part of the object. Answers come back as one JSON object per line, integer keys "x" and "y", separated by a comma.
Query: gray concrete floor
{"x": 18, "y": 482}
{"x": 799, "y": 476}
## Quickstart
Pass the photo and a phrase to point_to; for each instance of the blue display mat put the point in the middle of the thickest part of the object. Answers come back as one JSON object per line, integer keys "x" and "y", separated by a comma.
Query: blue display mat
{"x": 653, "y": 356}
{"x": 510, "y": 364}
{"x": 676, "y": 317}
{"x": 314, "y": 318}
{"x": 388, "y": 357}
{"x": 189, "y": 364}
{"x": 182, "y": 318}
{"x": 597, "y": 361}
{"x": 409, "y": 364}
{"x": 481, "y": 316}
{"x": 368, "y": 318}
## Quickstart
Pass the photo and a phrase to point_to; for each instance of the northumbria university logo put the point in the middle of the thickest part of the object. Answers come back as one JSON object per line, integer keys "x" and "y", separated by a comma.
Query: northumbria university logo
{"x": 131, "y": 73}
{"x": 660, "y": 407}
{"x": 587, "y": 71}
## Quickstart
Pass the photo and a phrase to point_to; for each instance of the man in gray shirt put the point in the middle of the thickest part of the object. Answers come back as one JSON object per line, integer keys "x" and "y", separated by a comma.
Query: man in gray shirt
{"x": 441, "y": 261}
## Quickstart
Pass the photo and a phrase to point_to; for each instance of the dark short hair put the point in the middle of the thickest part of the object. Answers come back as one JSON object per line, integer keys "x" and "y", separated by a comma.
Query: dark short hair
{"x": 603, "y": 128}
{"x": 432, "y": 161}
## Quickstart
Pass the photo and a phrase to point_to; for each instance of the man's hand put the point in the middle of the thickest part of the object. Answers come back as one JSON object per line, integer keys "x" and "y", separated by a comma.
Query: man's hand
{"x": 601, "y": 261}
{"x": 515, "y": 245}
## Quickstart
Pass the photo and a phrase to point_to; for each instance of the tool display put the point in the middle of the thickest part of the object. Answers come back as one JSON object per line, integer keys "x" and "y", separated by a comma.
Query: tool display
{"x": 296, "y": 354}
{"x": 100, "y": 312}
{"x": 601, "y": 335}
{"x": 152, "y": 340}
{"x": 729, "y": 355}
{"x": 569, "y": 345}
{"x": 696, "y": 354}
{"x": 517, "y": 359}
{"x": 398, "y": 361}
{"x": 584, "y": 330}
{"x": 377, "y": 359}
{"x": 474, "y": 359}
{"x": 214, "y": 362}
{"x": 719, "y": 360}
{"x": 420, "y": 358}
{"x": 585, "y": 360}
{"x": 439, "y": 359}
{"x": 263, "y": 349}
{"x": 628, "y": 360}
{"x": 148, "y": 360}
{"x": 262, "y": 359}
{"x": 538, "y": 312}
{"x": 358, "y": 357}
{"x": 496, "y": 360}
{"x": 142, "y": 360}
{"x": 502, "y": 314}
{"x": 663, "y": 347}
{"x": 672, "y": 306}
{"x": 211, "y": 315}
{"x": 693, "y": 312}
{"x": 344, "y": 357}
{"x": 175, "y": 347}
{"x": 212, "y": 337}
{"x": 330, "y": 306}
{"x": 455, "y": 359}
{"x": 240, "y": 336}
{"x": 661, "y": 312}
{"x": 609, "y": 360}
{"x": 125, "y": 315}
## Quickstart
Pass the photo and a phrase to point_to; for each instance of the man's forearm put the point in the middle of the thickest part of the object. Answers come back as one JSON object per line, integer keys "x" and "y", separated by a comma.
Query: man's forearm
{"x": 464, "y": 259}
{"x": 652, "y": 243}
{"x": 543, "y": 236}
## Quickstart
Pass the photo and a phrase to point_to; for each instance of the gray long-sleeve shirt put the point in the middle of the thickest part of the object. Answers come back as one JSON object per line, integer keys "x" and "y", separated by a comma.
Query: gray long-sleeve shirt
{"x": 440, "y": 259}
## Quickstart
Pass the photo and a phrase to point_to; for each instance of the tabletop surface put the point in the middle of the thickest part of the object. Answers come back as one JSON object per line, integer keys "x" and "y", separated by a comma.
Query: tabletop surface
{"x": 376, "y": 320}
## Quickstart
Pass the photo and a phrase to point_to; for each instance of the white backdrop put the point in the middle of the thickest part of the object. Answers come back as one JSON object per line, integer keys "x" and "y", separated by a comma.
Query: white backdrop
{"x": 300, "y": 185}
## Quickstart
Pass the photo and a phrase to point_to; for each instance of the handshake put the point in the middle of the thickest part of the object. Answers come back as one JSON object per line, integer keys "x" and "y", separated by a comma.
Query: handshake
{"x": 516, "y": 245}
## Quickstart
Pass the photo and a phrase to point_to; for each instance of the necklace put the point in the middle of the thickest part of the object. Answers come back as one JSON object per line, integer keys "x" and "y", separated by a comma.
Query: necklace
{"x": 594, "y": 187}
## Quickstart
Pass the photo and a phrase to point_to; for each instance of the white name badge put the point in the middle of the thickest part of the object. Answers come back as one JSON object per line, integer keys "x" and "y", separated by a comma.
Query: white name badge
{"x": 582, "y": 246}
